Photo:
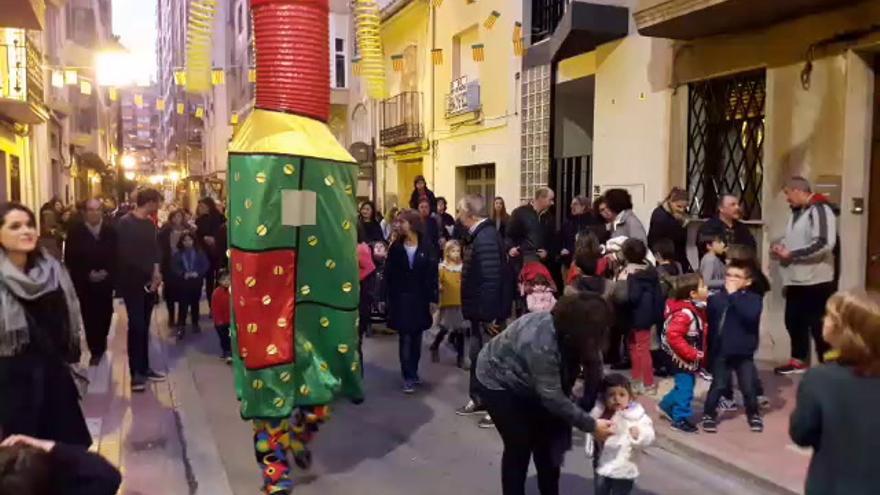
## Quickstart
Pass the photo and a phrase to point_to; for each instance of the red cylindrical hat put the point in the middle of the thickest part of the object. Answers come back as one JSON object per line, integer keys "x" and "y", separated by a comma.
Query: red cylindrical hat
{"x": 293, "y": 56}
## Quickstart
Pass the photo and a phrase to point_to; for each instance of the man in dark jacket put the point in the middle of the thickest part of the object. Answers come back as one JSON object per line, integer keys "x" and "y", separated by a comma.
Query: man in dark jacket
{"x": 726, "y": 225}
{"x": 526, "y": 231}
{"x": 485, "y": 287}
{"x": 90, "y": 256}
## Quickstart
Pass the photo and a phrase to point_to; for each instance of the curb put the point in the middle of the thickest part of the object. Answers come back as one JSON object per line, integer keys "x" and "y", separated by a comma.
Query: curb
{"x": 667, "y": 442}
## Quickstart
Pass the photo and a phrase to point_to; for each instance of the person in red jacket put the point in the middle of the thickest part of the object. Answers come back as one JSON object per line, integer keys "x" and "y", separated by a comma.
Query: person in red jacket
{"x": 684, "y": 340}
{"x": 220, "y": 311}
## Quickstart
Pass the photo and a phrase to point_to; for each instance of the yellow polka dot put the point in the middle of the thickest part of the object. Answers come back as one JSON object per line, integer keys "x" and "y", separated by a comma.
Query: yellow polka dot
{"x": 278, "y": 270}
{"x": 304, "y": 389}
{"x": 262, "y": 230}
{"x": 308, "y": 347}
{"x": 236, "y": 177}
{"x": 342, "y": 348}
{"x": 329, "y": 180}
{"x": 252, "y": 328}
{"x": 282, "y": 322}
{"x": 285, "y": 376}
{"x": 289, "y": 169}
{"x": 354, "y": 366}
{"x": 313, "y": 241}
{"x": 248, "y": 204}
{"x": 250, "y": 282}
{"x": 257, "y": 384}
{"x": 330, "y": 264}
{"x": 348, "y": 190}
{"x": 267, "y": 300}
{"x": 261, "y": 177}
{"x": 325, "y": 322}
{"x": 305, "y": 290}
{"x": 272, "y": 350}
{"x": 237, "y": 220}
{"x": 346, "y": 224}
{"x": 346, "y": 287}
{"x": 324, "y": 366}
{"x": 278, "y": 402}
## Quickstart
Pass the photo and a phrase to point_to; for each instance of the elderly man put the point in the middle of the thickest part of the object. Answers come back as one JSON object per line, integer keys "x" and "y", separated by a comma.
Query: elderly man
{"x": 485, "y": 288}
{"x": 726, "y": 225}
{"x": 526, "y": 232}
{"x": 806, "y": 258}
{"x": 90, "y": 255}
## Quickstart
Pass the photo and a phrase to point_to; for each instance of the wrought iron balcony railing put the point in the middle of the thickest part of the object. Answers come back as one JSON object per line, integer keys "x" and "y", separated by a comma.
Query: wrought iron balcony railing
{"x": 546, "y": 15}
{"x": 401, "y": 119}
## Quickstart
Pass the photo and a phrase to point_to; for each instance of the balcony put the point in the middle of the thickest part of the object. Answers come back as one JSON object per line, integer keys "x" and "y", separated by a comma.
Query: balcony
{"x": 545, "y": 17}
{"x": 25, "y": 14}
{"x": 690, "y": 19}
{"x": 22, "y": 90}
{"x": 566, "y": 28}
{"x": 401, "y": 120}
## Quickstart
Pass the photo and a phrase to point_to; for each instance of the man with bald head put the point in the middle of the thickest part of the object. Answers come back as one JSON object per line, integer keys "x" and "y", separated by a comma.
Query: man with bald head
{"x": 727, "y": 225}
{"x": 90, "y": 256}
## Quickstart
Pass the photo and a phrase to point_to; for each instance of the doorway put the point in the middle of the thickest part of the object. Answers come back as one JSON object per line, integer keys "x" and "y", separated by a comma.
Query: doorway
{"x": 407, "y": 171}
{"x": 872, "y": 275}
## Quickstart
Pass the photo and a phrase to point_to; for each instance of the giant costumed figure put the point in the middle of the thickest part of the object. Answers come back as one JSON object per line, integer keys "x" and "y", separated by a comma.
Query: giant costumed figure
{"x": 292, "y": 236}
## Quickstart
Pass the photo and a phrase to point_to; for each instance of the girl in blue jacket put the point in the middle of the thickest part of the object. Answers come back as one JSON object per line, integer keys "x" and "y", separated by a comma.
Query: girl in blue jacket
{"x": 190, "y": 265}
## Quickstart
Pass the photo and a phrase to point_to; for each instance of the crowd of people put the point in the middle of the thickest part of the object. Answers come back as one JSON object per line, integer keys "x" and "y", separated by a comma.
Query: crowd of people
{"x": 542, "y": 318}
{"x": 530, "y": 309}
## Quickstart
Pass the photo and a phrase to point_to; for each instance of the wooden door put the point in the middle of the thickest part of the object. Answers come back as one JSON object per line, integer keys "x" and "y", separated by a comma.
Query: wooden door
{"x": 872, "y": 280}
{"x": 407, "y": 171}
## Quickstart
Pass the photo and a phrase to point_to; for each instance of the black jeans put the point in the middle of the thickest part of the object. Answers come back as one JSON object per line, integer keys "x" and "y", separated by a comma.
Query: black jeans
{"x": 410, "y": 348}
{"x": 611, "y": 486}
{"x": 804, "y": 310}
{"x": 225, "y": 341}
{"x": 522, "y": 424}
{"x": 477, "y": 339}
{"x": 190, "y": 299}
{"x": 139, "y": 306}
{"x": 96, "y": 304}
{"x": 746, "y": 377}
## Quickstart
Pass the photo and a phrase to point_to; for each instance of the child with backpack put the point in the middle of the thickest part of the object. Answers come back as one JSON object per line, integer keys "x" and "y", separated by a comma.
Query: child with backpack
{"x": 683, "y": 339}
{"x": 643, "y": 308}
{"x": 734, "y": 316}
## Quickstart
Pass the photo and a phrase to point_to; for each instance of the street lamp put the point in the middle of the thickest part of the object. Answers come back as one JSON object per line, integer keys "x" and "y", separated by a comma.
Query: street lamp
{"x": 128, "y": 162}
{"x": 130, "y": 175}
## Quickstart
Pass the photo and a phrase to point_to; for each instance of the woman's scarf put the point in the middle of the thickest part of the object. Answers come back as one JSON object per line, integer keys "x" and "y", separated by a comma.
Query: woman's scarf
{"x": 44, "y": 277}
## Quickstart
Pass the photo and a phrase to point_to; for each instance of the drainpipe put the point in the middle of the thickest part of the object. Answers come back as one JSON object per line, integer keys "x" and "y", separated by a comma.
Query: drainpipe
{"x": 431, "y": 142}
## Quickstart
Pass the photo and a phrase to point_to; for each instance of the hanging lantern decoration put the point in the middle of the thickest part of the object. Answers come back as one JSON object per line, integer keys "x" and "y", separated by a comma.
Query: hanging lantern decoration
{"x": 71, "y": 78}
{"x": 366, "y": 14}
{"x": 85, "y": 87}
{"x": 397, "y": 63}
{"x": 180, "y": 77}
{"x": 198, "y": 45}
{"x": 218, "y": 77}
{"x": 479, "y": 52}
{"x": 160, "y": 104}
{"x": 181, "y": 109}
{"x": 490, "y": 21}
{"x": 113, "y": 94}
{"x": 200, "y": 112}
{"x": 437, "y": 56}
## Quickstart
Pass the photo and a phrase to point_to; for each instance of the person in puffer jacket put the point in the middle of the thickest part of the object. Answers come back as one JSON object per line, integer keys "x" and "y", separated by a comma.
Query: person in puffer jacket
{"x": 683, "y": 339}
{"x": 633, "y": 430}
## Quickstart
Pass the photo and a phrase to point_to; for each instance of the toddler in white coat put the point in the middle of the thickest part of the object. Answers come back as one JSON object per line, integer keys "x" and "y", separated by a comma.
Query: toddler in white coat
{"x": 617, "y": 467}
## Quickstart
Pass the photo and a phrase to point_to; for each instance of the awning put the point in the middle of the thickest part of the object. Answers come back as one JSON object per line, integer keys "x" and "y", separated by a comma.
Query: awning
{"x": 690, "y": 19}
{"x": 26, "y": 14}
{"x": 583, "y": 27}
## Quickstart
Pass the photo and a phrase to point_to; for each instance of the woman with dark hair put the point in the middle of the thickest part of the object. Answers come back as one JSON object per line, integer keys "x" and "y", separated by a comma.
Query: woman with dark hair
{"x": 623, "y": 223}
{"x": 40, "y": 328}
{"x": 580, "y": 221}
{"x": 525, "y": 376}
{"x": 499, "y": 216}
{"x": 412, "y": 286}
{"x": 668, "y": 221}
{"x": 369, "y": 222}
{"x": 445, "y": 222}
{"x": 420, "y": 192}
{"x": 169, "y": 238}
{"x": 209, "y": 223}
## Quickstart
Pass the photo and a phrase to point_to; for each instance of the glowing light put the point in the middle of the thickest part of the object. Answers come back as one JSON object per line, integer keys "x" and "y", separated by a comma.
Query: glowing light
{"x": 174, "y": 176}
{"x": 128, "y": 162}
{"x": 116, "y": 68}
{"x": 129, "y": 175}
{"x": 157, "y": 179}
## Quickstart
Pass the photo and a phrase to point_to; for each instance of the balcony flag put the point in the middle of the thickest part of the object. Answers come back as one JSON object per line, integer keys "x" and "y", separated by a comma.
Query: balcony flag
{"x": 397, "y": 63}
{"x": 85, "y": 87}
{"x": 139, "y": 100}
{"x": 479, "y": 52}
{"x": 490, "y": 21}
{"x": 181, "y": 109}
{"x": 57, "y": 79}
{"x": 180, "y": 78}
{"x": 71, "y": 78}
{"x": 517, "y": 31}
{"x": 200, "y": 112}
{"x": 160, "y": 104}
{"x": 233, "y": 119}
{"x": 436, "y": 3}
{"x": 437, "y": 56}
{"x": 356, "y": 66}
{"x": 519, "y": 47}
{"x": 113, "y": 94}
{"x": 218, "y": 77}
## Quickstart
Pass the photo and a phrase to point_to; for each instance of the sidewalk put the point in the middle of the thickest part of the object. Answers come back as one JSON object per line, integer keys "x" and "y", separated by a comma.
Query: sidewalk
{"x": 768, "y": 459}
{"x": 158, "y": 439}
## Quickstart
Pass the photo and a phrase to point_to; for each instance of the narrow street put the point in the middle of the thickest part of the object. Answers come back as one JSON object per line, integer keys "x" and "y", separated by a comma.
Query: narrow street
{"x": 393, "y": 444}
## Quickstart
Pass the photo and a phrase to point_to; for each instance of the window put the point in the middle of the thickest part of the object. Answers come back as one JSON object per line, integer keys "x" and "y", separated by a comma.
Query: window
{"x": 240, "y": 22}
{"x": 726, "y": 142}
{"x": 339, "y": 66}
{"x": 480, "y": 179}
{"x": 14, "y": 179}
{"x": 463, "y": 63}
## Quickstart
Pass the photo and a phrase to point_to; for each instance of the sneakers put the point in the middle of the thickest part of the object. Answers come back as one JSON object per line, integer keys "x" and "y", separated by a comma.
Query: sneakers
{"x": 409, "y": 388}
{"x": 155, "y": 376}
{"x": 470, "y": 409}
{"x": 709, "y": 424}
{"x": 138, "y": 384}
{"x": 794, "y": 367}
{"x": 763, "y": 402}
{"x": 756, "y": 424}
{"x": 727, "y": 405}
{"x": 685, "y": 426}
{"x": 486, "y": 422}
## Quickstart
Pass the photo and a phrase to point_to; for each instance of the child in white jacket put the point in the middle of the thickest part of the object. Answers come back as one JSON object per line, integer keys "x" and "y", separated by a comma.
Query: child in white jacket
{"x": 617, "y": 468}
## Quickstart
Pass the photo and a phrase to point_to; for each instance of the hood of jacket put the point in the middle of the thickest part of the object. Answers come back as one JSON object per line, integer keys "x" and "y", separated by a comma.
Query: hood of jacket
{"x": 676, "y": 305}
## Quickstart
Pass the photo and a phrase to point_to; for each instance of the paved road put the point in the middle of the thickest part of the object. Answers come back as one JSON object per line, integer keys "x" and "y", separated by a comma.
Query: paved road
{"x": 395, "y": 444}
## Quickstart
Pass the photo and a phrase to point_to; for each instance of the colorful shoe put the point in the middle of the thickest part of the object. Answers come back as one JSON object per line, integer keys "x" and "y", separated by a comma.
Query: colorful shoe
{"x": 794, "y": 367}
{"x": 709, "y": 424}
{"x": 684, "y": 426}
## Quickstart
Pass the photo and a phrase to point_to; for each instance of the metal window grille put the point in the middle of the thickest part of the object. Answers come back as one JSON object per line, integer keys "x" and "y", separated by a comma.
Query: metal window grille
{"x": 480, "y": 179}
{"x": 726, "y": 142}
{"x": 545, "y": 17}
{"x": 573, "y": 177}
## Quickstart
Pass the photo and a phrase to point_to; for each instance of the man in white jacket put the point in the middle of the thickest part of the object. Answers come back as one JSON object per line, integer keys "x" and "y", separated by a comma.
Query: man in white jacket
{"x": 806, "y": 259}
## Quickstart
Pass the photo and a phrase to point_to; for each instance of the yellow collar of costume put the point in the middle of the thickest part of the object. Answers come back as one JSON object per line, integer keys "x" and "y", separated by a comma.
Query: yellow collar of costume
{"x": 267, "y": 132}
{"x": 832, "y": 355}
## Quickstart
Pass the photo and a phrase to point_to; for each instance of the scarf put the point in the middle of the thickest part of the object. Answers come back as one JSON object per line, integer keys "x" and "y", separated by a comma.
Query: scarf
{"x": 46, "y": 276}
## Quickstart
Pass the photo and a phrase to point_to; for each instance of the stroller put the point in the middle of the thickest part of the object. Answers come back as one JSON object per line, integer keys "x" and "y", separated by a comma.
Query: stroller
{"x": 536, "y": 287}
